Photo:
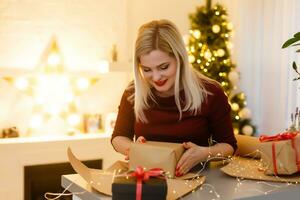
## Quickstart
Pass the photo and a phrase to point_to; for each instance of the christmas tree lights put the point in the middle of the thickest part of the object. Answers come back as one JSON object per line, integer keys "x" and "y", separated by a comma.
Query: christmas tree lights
{"x": 209, "y": 52}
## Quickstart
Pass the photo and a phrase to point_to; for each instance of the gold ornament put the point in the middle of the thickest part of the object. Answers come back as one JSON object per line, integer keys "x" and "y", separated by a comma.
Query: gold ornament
{"x": 245, "y": 113}
{"x": 247, "y": 130}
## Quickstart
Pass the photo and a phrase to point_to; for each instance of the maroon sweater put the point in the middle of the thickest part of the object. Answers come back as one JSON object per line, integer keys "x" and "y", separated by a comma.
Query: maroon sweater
{"x": 163, "y": 120}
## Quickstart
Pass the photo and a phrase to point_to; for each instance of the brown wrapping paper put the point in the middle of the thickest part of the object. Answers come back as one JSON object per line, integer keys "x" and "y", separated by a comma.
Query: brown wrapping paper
{"x": 163, "y": 155}
{"x": 102, "y": 180}
{"x": 249, "y": 168}
{"x": 285, "y": 156}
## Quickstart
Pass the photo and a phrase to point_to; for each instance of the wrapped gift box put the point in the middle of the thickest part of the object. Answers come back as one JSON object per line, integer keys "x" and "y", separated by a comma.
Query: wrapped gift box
{"x": 150, "y": 155}
{"x": 124, "y": 188}
{"x": 281, "y": 153}
{"x": 102, "y": 180}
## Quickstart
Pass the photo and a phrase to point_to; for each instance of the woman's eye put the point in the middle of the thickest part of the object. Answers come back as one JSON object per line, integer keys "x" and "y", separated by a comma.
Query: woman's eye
{"x": 164, "y": 67}
{"x": 146, "y": 69}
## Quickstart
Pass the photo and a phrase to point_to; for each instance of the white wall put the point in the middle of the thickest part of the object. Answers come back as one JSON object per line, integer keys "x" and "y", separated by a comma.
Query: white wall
{"x": 140, "y": 12}
{"x": 86, "y": 30}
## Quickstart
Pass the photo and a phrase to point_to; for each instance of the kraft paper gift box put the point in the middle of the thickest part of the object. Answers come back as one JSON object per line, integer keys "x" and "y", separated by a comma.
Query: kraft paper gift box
{"x": 102, "y": 180}
{"x": 124, "y": 188}
{"x": 281, "y": 153}
{"x": 151, "y": 154}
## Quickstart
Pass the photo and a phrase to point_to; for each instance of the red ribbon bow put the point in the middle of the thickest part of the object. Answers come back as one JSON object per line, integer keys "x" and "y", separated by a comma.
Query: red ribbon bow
{"x": 278, "y": 137}
{"x": 142, "y": 175}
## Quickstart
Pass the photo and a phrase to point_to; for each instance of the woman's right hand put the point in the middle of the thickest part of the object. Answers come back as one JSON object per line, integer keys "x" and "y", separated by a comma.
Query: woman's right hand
{"x": 140, "y": 139}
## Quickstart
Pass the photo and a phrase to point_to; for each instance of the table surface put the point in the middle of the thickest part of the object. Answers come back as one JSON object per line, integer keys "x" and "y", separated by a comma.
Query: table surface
{"x": 217, "y": 186}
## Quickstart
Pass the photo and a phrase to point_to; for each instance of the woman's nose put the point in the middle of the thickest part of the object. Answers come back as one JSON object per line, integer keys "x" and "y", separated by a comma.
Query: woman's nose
{"x": 156, "y": 75}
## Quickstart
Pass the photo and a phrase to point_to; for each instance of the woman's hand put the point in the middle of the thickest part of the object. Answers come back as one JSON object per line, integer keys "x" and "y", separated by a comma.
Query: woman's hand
{"x": 191, "y": 157}
{"x": 140, "y": 139}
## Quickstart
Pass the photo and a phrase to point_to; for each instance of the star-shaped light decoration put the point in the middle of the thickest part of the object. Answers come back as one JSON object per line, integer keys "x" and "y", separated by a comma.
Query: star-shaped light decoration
{"x": 54, "y": 90}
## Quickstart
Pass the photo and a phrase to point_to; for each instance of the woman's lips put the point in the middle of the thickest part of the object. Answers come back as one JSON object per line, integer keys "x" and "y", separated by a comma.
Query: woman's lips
{"x": 160, "y": 83}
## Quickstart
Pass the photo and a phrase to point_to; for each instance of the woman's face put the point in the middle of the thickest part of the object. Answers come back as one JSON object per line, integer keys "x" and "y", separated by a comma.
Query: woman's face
{"x": 159, "y": 70}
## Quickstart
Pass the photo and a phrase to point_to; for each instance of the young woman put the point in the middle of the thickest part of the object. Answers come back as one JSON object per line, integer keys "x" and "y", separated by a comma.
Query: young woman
{"x": 171, "y": 102}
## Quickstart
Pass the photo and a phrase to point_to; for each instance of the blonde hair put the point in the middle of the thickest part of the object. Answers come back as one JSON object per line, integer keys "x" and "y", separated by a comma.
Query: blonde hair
{"x": 163, "y": 35}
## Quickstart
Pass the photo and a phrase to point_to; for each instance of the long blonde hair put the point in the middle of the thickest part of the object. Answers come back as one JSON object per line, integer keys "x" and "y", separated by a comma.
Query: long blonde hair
{"x": 163, "y": 35}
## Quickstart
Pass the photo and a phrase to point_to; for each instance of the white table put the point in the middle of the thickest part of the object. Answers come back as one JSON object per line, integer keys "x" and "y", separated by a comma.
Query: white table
{"x": 224, "y": 186}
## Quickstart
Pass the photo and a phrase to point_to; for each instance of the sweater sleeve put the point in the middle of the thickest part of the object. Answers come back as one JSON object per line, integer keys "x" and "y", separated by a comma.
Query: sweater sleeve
{"x": 125, "y": 119}
{"x": 220, "y": 124}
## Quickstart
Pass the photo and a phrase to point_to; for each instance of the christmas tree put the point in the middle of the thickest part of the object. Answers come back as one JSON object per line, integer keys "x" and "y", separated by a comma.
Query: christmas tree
{"x": 209, "y": 53}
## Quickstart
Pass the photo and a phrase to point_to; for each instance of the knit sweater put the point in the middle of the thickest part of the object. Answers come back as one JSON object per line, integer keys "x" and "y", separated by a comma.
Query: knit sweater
{"x": 213, "y": 120}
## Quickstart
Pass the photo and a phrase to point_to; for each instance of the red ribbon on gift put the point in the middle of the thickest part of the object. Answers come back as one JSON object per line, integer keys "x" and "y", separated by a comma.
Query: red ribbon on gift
{"x": 280, "y": 137}
{"x": 142, "y": 175}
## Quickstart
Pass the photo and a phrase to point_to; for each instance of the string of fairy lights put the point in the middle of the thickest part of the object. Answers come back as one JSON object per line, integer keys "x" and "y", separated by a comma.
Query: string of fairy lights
{"x": 209, "y": 49}
{"x": 241, "y": 182}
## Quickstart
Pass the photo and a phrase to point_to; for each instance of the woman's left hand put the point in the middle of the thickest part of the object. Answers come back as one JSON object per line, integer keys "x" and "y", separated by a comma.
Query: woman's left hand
{"x": 191, "y": 157}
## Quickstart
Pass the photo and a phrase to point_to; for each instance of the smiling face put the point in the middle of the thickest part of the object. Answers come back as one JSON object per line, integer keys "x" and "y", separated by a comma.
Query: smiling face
{"x": 159, "y": 70}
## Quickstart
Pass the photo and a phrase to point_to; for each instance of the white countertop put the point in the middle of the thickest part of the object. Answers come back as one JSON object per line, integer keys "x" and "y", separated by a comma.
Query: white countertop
{"x": 56, "y": 138}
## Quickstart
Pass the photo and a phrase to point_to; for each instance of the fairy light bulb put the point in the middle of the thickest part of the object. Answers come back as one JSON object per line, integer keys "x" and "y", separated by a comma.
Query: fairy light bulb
{"x": 191, "y": 58}
{"x": 220, "y": 52}
{"x": 69, "y": 96}
{"x": 36, "y": 121}
{"x": 53, "y": 59}
{"x": 235, "y": 106}
{"x": 242, "y": 96}
{"x": 196, "y": 34}
{"x": 73, "y": 119}
{"x": 229, "y": 45}
{"x": 207, "y": 54}
{"x": 21, "y": 83}
{"x": 192, "y": 49}
{"x": 216, "y": 28}
{"x": 103, "y": 66}
{"x": 82, "y": 83}
{"x": 229, "y": 26}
